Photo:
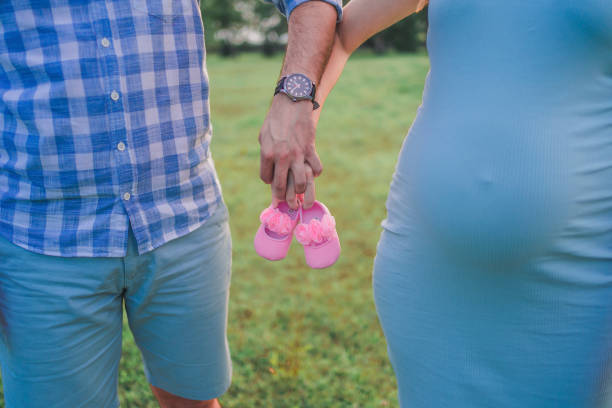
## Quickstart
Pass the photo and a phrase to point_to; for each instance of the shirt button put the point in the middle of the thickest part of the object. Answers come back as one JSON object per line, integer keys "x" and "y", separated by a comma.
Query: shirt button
{"x": 121, "y": 146}
{"x": 114, "y": 95}
{"x": 105, "y": 42}
{"x": 127, "y": 196}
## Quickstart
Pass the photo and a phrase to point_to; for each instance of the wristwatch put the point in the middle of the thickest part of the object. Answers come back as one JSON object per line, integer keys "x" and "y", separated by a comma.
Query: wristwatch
{"x": 298, "y": 87}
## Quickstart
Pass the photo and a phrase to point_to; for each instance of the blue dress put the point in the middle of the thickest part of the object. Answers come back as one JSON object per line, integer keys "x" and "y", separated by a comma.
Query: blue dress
{"x": 493, "y": 277}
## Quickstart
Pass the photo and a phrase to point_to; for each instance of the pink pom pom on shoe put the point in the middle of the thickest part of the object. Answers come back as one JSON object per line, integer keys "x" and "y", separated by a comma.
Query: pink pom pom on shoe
{"x": 316, "y": 232}
{"x": 276, "y": 221}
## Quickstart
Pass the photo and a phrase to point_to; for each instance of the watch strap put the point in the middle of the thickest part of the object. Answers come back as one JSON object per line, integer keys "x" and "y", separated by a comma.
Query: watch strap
{"x": 280, "y": 85}
{"x": 315, "y": 104}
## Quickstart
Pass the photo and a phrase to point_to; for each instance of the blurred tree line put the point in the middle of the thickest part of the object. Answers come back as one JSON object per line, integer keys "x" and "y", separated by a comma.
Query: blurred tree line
{"x": 252, "y": 25}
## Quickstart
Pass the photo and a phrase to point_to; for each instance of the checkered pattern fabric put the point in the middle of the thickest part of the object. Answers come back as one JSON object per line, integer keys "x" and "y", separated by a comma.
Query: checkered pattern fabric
{"x": 105, "y": 124}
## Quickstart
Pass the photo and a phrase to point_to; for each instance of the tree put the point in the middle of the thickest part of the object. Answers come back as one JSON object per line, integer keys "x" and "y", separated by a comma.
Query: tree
{"x": 407, "y": 35}
{"x": 272, "y": 25}
{"x": 252, "y": 24}
{"x": 221, "y": 21}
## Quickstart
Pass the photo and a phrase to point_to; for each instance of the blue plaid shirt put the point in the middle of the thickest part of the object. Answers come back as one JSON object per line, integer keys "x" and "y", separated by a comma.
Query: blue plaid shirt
{"x": 105, "y": 124}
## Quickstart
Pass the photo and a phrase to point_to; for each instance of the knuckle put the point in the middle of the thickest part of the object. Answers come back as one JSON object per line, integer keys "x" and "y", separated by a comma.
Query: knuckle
{"x": 267, "y": 155}
{"x": 283, "y": 153}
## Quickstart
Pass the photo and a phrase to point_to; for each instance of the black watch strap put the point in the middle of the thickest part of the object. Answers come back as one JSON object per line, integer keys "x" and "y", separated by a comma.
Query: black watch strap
{"x": 280, "y": 85}
{"x": 315, "y": 104}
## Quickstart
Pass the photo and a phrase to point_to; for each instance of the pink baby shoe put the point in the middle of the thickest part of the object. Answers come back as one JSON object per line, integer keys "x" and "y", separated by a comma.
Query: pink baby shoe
{"x": 273, "y": 238}
{"x": 317, "y": 233}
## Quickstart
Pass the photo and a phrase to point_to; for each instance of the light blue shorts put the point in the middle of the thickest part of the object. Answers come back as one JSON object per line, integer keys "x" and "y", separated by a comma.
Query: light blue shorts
{"x": 61, "y": 320}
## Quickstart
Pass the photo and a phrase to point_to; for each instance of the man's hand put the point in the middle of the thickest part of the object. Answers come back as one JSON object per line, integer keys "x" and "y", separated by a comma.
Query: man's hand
{"x": 287, "y": 137}
{"x": 287, "y": 141}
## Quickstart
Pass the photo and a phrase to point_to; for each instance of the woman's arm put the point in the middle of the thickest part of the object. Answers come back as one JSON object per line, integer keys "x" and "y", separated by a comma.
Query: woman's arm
{"x": 362, "y": 19}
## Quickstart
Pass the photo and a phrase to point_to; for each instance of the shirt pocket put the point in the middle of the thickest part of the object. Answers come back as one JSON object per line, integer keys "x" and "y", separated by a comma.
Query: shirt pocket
{"x": 167, "y": 10}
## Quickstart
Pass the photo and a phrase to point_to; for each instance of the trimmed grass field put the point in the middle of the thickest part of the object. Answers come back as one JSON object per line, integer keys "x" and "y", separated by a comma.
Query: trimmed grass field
{"x": 300, "y": 337}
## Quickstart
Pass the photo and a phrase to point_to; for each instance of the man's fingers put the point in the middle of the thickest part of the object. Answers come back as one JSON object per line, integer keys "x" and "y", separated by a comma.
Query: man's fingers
{"x": 279, "y": 184}
{"x": 299, "y": 175}
{"x": 315, "y": 163}
{"x": 276, "y": 201}
{"x": 266, "y": 167}
{"x": 309, "y": 194}
{"x": 290, "y": 195}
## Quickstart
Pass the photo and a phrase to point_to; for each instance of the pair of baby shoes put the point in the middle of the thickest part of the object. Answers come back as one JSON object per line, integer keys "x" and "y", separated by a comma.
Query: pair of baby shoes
{"x": 314, "y": 228}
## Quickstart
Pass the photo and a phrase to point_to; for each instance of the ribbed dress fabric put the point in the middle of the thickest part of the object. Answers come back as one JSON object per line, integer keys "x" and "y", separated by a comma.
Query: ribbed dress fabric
{"x": 493, "y": 276}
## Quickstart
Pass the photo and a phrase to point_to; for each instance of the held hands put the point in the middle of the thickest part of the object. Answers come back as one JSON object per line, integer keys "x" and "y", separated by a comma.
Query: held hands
{"x": 292, "y": 198}
{"x": 289, "y": 161}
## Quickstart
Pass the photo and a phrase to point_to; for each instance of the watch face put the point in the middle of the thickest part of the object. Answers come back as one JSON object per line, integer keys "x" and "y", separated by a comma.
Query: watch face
{"x": 298, "y": 86}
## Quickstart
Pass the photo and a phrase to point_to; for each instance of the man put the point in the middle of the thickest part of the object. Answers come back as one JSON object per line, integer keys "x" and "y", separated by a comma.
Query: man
{"x": 109, "y": 196}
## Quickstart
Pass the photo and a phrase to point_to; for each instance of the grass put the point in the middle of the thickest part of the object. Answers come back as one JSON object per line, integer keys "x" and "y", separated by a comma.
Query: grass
{"x": 304, "y": 338}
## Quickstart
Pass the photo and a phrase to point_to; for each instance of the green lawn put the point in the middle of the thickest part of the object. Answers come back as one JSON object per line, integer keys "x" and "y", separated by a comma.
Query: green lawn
{"x": 302, "y": 337}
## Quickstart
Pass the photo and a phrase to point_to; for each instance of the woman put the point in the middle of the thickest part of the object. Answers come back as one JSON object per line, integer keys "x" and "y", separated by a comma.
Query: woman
{"x": 493, "y": 278}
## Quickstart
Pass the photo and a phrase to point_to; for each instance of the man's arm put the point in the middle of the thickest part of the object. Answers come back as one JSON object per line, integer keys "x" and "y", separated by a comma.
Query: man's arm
{"x": 287, "y": 136}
